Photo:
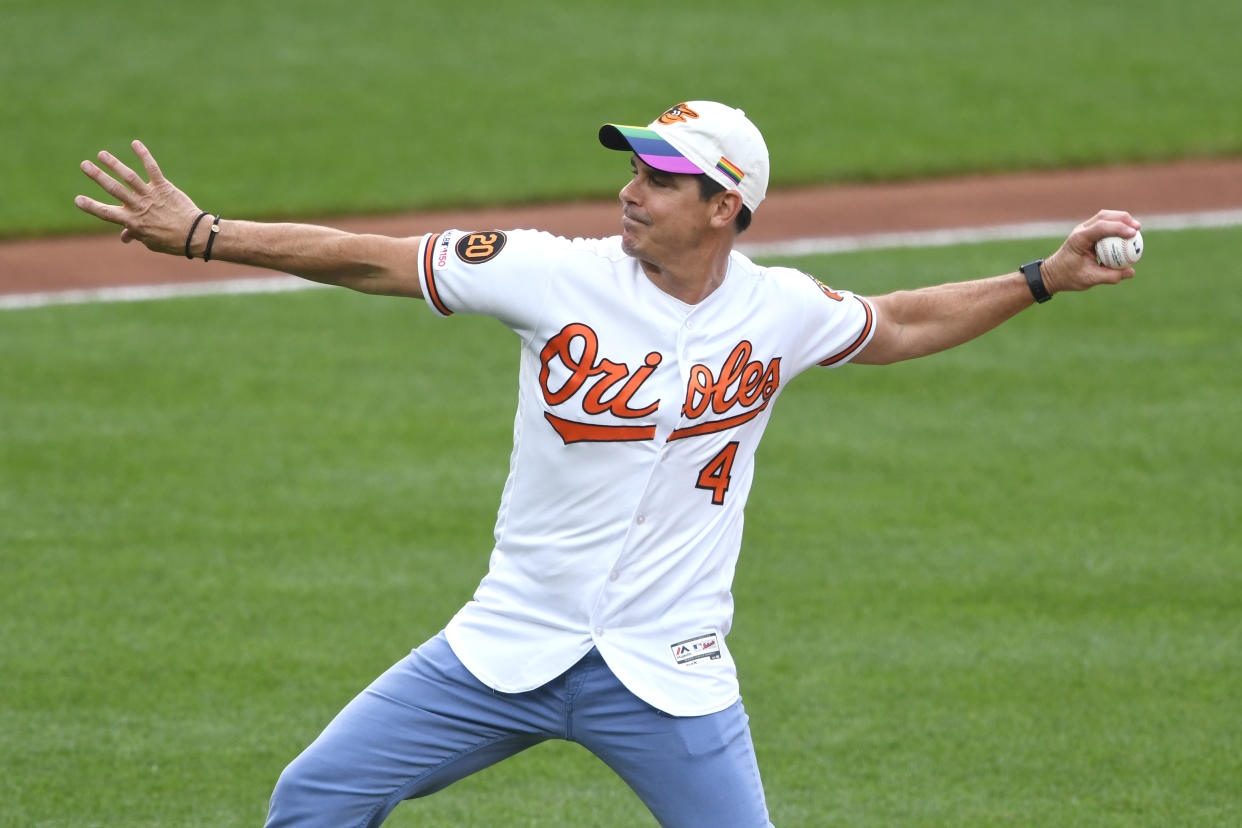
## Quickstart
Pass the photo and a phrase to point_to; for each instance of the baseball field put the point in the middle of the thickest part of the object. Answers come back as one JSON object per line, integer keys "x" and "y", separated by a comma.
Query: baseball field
{"x": 999, "y": 586}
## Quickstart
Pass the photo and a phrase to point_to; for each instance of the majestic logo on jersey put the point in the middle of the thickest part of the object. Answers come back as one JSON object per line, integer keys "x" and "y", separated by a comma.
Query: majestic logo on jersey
{"x": 477, "y": 248}
{"x": 695, "y": 649}
{"x": 609, "y": 387}
{"x": 677, "y": 114}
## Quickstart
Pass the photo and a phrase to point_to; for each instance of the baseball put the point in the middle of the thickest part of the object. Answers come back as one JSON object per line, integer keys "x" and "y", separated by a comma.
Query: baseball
{"x": 1119, "y": 253}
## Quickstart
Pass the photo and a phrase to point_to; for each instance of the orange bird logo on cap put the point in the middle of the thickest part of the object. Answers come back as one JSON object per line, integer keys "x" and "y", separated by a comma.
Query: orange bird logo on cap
{"x": 677, "y": 114}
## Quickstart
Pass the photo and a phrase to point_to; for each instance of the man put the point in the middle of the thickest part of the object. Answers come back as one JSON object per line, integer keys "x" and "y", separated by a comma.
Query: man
{"x": 650, "y": 362}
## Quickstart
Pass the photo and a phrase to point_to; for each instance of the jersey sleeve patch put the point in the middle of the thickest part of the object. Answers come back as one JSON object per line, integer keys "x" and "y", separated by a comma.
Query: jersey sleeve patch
{"x": 477, "y": 248}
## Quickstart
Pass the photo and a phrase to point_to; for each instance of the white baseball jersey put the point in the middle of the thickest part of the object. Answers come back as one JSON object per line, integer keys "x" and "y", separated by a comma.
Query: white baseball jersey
{"x": 633, "y": 450}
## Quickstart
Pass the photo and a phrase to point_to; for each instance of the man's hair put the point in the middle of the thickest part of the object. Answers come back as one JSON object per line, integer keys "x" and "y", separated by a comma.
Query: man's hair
{"x": 709, "y": 187}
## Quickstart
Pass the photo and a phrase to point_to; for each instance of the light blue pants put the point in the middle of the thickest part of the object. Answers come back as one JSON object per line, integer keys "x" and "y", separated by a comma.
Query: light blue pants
{"x": 427, "y": 722}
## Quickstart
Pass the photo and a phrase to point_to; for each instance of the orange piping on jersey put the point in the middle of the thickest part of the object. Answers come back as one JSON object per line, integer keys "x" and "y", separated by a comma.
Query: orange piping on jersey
{"x": 857, "y": 343}
{"x": 718, "y": 425}
{"x": 428, "y": 256}
{"x": 572, "y": 432}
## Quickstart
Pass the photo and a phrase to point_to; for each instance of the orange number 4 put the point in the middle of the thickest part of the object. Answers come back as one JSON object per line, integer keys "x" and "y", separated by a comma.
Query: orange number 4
{"x": 714, "y": 477}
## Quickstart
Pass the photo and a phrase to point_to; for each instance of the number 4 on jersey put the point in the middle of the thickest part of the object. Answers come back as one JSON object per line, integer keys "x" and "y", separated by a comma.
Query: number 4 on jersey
{"x": 714, "y": 477}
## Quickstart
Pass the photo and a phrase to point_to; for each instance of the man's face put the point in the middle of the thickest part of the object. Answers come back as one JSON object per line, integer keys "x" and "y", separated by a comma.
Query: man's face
{"x": 663, "y": 214}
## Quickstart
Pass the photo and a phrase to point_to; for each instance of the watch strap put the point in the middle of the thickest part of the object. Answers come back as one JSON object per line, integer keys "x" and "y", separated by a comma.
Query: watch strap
{"x": 1035, "y": 280}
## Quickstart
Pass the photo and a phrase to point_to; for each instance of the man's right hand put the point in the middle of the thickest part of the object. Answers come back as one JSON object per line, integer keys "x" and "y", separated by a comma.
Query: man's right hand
{"x": 152, "y": 211}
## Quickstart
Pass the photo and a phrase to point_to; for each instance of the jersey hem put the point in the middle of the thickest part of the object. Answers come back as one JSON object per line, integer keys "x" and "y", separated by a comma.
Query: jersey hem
{"x": 676, "y": 711}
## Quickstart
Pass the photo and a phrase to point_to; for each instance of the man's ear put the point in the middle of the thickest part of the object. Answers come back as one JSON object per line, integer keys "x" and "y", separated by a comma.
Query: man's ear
{"x": 725, "y": 207}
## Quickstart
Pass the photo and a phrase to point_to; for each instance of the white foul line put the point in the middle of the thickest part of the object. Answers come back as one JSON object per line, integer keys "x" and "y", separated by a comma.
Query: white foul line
{"x": 973, "y": 235}
{"x": 146, "y": 293}
{"x": 794, "y": 247}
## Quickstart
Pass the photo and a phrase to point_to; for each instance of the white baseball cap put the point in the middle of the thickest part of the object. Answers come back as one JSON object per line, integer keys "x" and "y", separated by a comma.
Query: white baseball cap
{"x": 700, "y": 137}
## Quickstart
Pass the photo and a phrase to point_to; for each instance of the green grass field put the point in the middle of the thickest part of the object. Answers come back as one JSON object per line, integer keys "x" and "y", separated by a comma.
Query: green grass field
{"x": 306, "y": 108}
{"x": 999, "y": 586}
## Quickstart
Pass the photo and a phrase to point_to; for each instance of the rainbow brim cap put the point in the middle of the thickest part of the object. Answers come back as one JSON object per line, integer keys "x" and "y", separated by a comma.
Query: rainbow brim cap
{"x": 647, "y": 144}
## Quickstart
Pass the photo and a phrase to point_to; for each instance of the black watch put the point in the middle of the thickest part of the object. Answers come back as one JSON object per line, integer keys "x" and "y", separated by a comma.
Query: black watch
{"x": 1035, "y": 280}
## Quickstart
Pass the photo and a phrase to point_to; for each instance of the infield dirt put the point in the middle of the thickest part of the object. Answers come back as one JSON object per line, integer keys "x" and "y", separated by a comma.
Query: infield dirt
{"x": 99, "y": 260}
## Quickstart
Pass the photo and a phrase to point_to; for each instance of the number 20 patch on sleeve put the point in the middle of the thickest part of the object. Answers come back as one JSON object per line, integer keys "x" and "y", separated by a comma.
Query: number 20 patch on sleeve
{"x": 477, "y": 248}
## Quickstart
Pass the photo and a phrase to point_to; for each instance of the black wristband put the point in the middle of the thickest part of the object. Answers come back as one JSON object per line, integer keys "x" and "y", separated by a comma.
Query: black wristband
{"x": 190, "y": 236}
{"x": 1035, "y": 280}
{"x": 215, "y": 228}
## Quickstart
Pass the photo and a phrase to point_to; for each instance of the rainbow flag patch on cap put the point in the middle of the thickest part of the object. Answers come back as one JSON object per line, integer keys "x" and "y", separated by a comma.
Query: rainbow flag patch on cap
{"x": 728, "y": 168}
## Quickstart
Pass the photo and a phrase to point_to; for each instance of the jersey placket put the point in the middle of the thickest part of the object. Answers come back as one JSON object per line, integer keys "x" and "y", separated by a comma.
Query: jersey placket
{"x": 645, "y": 520}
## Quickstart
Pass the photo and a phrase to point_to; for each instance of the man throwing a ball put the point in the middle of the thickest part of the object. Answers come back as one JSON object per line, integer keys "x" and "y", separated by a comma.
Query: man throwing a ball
{"x": 651, "y": 362}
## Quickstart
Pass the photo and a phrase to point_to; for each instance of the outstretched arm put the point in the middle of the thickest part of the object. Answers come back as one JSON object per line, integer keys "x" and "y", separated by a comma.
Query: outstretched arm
{"x": 915, "y": 323}
{"x": 156, "y": 213}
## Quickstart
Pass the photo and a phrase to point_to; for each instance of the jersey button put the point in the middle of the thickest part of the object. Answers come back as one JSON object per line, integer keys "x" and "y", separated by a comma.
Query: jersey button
{"x": 599, "y": 631}
{"x": 614, "y": 575}
{"x": 640, "y": 519}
